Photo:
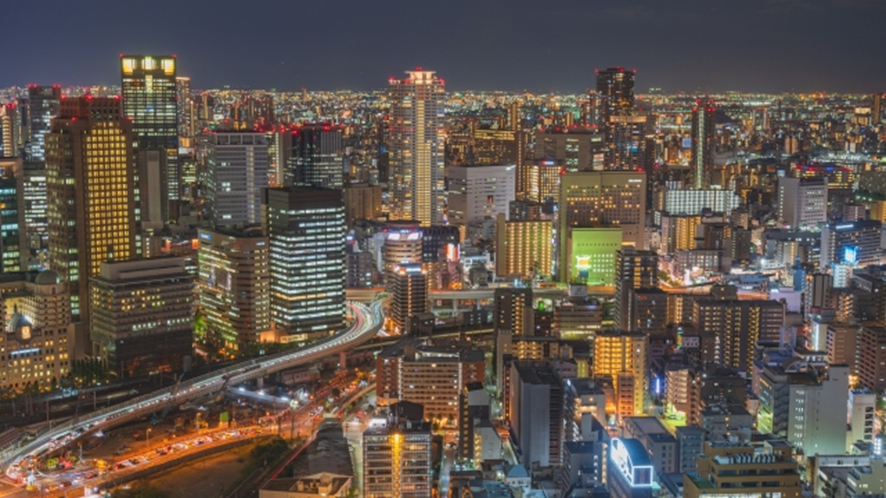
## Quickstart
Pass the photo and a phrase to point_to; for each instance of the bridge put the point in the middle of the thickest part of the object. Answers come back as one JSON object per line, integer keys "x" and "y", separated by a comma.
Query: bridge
{"x": 367, "y": 322}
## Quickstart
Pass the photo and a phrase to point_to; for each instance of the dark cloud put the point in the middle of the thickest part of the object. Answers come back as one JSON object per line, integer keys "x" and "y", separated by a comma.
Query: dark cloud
{"x": 753, "y": 45}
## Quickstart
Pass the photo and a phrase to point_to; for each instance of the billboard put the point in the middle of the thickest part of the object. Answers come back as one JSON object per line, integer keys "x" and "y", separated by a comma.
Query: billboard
{"x": 592, "y": 254}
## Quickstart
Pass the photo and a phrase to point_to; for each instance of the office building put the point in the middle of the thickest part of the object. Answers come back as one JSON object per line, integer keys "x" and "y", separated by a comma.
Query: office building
{"x": 615, "y": 93}
{"x": 862, "y": 406}
{"x": 236, "y": 174}
{"x": 659, "y": 443}
{"x": 512, "y": 311}
{"x": 397, "y": 459}
{"x": 871, "y": 356}
{"x": 634, "y": 270}
{"x": 575, "y": 149}
{"x": 739, "y": 325}
{"x": 679, "y": 202}
{"x": 855, "y": 243}
{"x": 408, "y": 284}
{"x": 35, "y": 205}
{"x": 142, "y": 315}
{"x": 690, "y": 444}
{"x": 591, "y": 254}
{"x": 627, "y": 142}
{"x": 305, "y": 227}
{"x": 523, "y": 249}
{"x": 185, "y": 110}
{"x": 803, "y": 203}
{"x": 94, "y": 219}
{"x": 630, "y": 473}
{"x": 38, "y": 340}
{"x": 601, "y": 199}
{"x": 10, "y": 130}
{"x": 805, "y": 404}
{"x": 402, "y": 245}
{"x": 535, "y": 412}
{"x": 234, "y": 284}
{"x": 478, "y": 439}
{"x": 578, "y": 317}
{"x": 150, "y": 102}
{"x": 415, "y": 148}
{"x": 38, "y": 110}
{"x": 725, "y": 467}
{"x": 362, "y": 202}
{"x": 702, "y": 143}
{"x": 543, "y": 181}
{"x": 622, "y": 356}
{"x": 477, "y": 193}
{"x": 317, "y": 158}
{"x": 13, "y": 230}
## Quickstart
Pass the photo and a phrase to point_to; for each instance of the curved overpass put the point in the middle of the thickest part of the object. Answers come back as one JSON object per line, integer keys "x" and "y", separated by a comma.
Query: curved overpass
{"x": 367, "y": 321}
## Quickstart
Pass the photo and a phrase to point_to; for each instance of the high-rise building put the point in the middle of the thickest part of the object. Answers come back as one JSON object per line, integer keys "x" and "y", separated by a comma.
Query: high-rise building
{"x": 306, "y": 232}
{"x": 523, "y": 248}
{"x": 627, "y": 143}
{"x": 871, "y": 357}
{"x": 513, "y": 311}
{"x": 40, "y": 107}
{"x": 185, "y": 111}
{"x": 602, "y": 199}
{"x": 416, "y": 149}
{"x": 630, "y": 473}
{"x": 739, "y": 325}
{"x": 317, "y": 157}
{"x": 234, "y": 283}
{"x": 10, "y": 130}
{"x": 803, "y": 203}
{"x": 635, "y": 270}
{"x": 38, "y": 337}
{"x": 543, "y": 181}
{"x": 623, "y": 357}
{"x": 142, "y": 314}
{"x": 362, "y": 202}
{"x": 615, "y": 93}
{"x": 13, "y": 230}
{"x": 702, "y": 143}
{"x": 577, "y": 149}
{"x": 477, "y": 193}
{"x": 150, "y": 100}
{"x": 877, "y": 109}
{"x": 408, "y": 284}
{"x": 851, "y": 243}
{"x": 535, "y": 412}
{"x": 397, "y": 459}
{"x": 678, "y": 202}
{"x": 90, "y": 192}
{"x": 236, "y": 174}
{"x": 35, "y": 204}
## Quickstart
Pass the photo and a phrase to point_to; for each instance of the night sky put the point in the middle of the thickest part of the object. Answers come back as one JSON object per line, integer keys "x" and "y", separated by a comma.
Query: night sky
{"x": 536, "y": 45}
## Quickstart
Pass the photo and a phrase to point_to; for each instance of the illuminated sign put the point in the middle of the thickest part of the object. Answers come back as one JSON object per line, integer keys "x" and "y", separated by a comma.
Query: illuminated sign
{"x": 635, "y": 180}
{"x": 850, "y": 255}
{"x": 637, "y": 476}
{"x": 205, "y": 236}
{"x": 691, "y": 342}
{"x": 25, "y": 351}
{"x": 846, "y": 226}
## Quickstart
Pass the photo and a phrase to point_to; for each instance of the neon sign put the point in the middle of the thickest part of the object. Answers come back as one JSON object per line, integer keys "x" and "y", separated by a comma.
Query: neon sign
{"x": 637, "y": 476}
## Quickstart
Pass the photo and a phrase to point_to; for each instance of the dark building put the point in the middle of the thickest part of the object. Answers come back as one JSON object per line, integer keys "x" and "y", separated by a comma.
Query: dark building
{"x": 317, "y": 157}
{"x": 615, "y": 93}
{"x": 38, "y": 111}
{"x": 702, "y": 142}
{"x": 306, "y": 232}
{"x": 635, "y": 270}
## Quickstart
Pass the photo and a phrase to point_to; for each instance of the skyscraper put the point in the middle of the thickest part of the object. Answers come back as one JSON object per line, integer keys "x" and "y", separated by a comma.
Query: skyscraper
{"x": 185, "y": 110}
{"x": 149, "y": 100}
{"x": 317, "y": 158}
{"x": 10, "y": 131}
{"x": 416, "y": 150}
{"x": 90, "y": 193}
{"x": 39, "y": 108}
{"x": 635, "y": 270}
{"x": 615, "y": 93}
{"x": 306, "y": 232}
{"x": 13, "y": 241}
{"x": 702, "y": 142}
{"x": 236, "y": 173}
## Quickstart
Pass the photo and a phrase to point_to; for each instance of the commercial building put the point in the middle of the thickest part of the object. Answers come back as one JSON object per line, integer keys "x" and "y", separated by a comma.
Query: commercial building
{"x": 852, "y": 243}
{"x": 602, "y": 199}
{"x": 739, "y": 325}
{"x": 575, "y": 148}
{"x": 38, "y": 340}
{"x": 543, "y": 181}
{"x": 13, "y": 229}
{"x": 317, "y": 158}
{"x": 524, "y": 249}
{"x": 622, "y": 356}
{"x": 408, "y": 285}
{"x": 725, "y": 467}
{"x": 630, "y": 473}
{"x": 679, "y": 202}
{"x": 535, "y": 412}
{"x": 627, "y": 141}
{"x": 806, "y": 405}
{"x": 38, "y": 110}
{"x": 591, "y": 254}
{"x": 186, "y": 112}
{"x": 142, "y": 314}
{"x": 803, "y": 203}
{"x": 476, "y": 193}
{"x": 234, "y": 285}
{"x": 415, "y": 149}
{"x": 397, "y": 459}
{"x": 305, "y": 227}
{"x": 362, "y": 202}
{"x": 478, "y": 439}
{"x": 659, "y": 443}
{"x": 614, "y": 93}
{"x": 862, "y": 406}
{"x": 702, "y": 143}
{"x": 35, "y": 205}
{"x": 236, "y": 174}
{"x": 150, "y": 102}
{"x": 634, "y": 270}
{"x": 94, "y": 219}
{"x": 870, "y": 359}
{"x": 512, "y": 311}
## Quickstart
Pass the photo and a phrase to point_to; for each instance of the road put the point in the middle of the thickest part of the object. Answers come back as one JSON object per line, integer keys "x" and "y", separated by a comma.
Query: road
{"x": 367, "y": 321}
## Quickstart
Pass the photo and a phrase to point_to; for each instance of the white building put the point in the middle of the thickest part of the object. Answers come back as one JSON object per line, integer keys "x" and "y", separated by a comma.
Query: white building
{"x": 236, "y": 173}
{"x": 691, "y": 202}
{"x": 861, "y": 417}
{"x": 803, "y": 203}
{"x": 479, "y": 192}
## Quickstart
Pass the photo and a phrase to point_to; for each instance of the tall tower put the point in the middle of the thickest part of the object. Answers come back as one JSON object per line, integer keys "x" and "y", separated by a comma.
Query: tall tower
{"x": 10, "y": 131}
{"x": 615, "y": 91}
{"x": 184, "y": 108}
{"x": 90, "y": 189}
{"x": 39, "y": 109}
{"x": 149, "y": 100}
{"x": 877, "y": 110}
{"x": 236, "y": 174}
{"x": 416, "y": 149}
{"x": 702, "y": 141}
{"x": 317, "y": 156}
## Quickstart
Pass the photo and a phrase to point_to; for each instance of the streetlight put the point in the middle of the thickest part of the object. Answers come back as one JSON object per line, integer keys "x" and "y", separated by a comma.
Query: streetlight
{"x": 148, "y": 437}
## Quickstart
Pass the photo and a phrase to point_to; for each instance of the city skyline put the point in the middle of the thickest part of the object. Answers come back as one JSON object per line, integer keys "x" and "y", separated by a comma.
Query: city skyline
{"x": 773, "y": 46}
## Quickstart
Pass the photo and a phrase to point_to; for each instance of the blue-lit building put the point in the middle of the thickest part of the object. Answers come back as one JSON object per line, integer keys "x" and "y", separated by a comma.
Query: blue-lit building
{"x": 856, "y": 243}
{"x": 630, "y": 473}
{"x": 13, "y": 248}
{"x": 38, "y": 109}
{"x": 306, "y": 233}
